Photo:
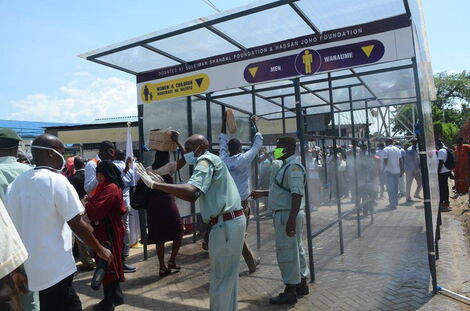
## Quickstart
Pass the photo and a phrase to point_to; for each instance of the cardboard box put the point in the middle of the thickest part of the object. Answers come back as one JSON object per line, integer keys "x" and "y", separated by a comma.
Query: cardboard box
{"x": 231, "y": 123}
{"x": 161, "y": 140}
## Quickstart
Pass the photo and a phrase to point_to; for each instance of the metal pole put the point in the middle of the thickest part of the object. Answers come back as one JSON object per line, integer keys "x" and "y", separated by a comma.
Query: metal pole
{"x": 209, "y": 119}
{"x": 258, "y": 226}
{"x": 413, "y": 119}
{"x": 301, "y": 132}
{"x": 425, "y": 180}
{"x": 189, "y": 113}
{"x": 335, "y": 168}
{"x": 325, "y": 185}
{"x": 356, "y": 182}
{"x": 142, "y": 213}
{"x": 283, "y": 117}
{"x": 372, "y": 208}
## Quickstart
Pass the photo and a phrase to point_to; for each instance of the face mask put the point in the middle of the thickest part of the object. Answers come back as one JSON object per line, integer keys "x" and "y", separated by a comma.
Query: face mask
{"x": 278, "y": 153}
{"x": 57, "y": 152}
{"x": 190, "y": 158}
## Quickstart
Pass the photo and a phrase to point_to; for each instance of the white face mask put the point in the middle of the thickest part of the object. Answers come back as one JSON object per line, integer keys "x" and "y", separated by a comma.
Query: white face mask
{"x": 57, "y": 152}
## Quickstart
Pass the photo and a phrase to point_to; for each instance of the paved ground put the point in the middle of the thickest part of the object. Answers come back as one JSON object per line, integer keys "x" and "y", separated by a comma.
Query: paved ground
{"x": 385, "y": 269}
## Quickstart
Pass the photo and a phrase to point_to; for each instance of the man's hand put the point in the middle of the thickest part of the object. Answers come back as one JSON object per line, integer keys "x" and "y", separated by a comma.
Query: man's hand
{"x": 254, "y": 119}
{"x": 105, "y": 254}
{"x": 256, "y": 194}
{"x": 148, "y": 181}
{"x": 223, "y": 130}
{"x": 174, "y": 136}
{"x": 129, "y": 162}
{"x": 290, "y": 227}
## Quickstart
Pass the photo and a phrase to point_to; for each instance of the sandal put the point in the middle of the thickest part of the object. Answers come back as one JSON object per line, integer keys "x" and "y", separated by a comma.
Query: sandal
{"x": 172, "y": 265}
{"x": 164, "y": 272}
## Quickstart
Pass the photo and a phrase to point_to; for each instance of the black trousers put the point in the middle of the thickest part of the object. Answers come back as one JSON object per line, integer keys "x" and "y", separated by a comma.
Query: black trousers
{"x": 444, "y": 187}
{"x": 60, "y": 297}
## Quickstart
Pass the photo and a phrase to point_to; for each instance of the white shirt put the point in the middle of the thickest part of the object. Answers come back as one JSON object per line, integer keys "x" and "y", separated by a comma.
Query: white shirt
{"x": 314, "y": 168}
{"x": 40, "y": 202}
{"x": 442, "y": 156}
{"x": 393, "y": 156}
{"x": 90, "y": 175}
{"x": 380, "y": 153}
{"x": 13, "y": 253}
{"x": 127, "y": 179}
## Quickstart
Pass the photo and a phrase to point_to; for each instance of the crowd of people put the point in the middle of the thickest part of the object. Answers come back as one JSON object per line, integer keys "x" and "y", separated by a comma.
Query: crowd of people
{"x": 48, "y": 207}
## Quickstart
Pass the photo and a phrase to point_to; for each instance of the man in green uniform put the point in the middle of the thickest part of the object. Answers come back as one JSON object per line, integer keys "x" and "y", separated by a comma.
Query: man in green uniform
{"x": 213, "y": 185}
{"x": 287, "y": 203}
{"x": 9, "y": 170}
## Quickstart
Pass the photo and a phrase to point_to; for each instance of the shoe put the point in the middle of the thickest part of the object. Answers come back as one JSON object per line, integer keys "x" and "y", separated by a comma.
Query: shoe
{"x": 417, "y": 196}
{"x": 302, "y": 288}
{"x": 284, "y": 299}
{"x": 164, "y": 272}
{"x": 137, "y": 245}
{"x": 172, "y": 265}
{"x": 102, "y": 306}
{"x": 129, "y": 268}
{"x": 445, "y": 209}
{"x": 87, "y": 267}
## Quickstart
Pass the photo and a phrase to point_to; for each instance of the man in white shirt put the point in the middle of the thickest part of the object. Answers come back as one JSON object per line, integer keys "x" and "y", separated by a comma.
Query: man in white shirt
{"x": 401, "y": 180}
{"x": 239, "y": 166}
{"x": 393, "y": 169}
{"x": 443, "y": 176}
{"x": 13, "y": 254}
{"x": 106, "y": 151}
{"x": 44, "y": 206}
{"x": 128, "y": 176}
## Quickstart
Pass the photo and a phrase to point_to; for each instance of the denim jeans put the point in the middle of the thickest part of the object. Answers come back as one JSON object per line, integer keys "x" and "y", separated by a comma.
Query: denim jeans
{"x": 392, "y": 188}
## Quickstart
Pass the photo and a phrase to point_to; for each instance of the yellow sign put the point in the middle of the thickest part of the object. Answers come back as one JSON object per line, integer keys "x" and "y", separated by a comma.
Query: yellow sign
{"x": 190, "y": 85}
{"x": 253, "y": 71}
{"x": 368, "y": 49}
{"x": 307, "y": 60}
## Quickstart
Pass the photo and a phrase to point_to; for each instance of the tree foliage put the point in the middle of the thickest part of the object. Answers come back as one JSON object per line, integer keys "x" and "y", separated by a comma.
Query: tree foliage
{"x": 450, "y": 110}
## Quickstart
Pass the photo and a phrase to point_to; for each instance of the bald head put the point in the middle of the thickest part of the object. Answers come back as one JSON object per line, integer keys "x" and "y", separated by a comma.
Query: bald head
{"x": 196, "y": 142}
{"x": 46, "y": 157}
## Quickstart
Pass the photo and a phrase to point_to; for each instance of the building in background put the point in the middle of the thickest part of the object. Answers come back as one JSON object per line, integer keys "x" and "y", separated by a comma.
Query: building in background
{"x": 84, "y": 139}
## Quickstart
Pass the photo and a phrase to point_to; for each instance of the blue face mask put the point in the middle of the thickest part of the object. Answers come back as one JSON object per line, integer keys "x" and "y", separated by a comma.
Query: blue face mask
{"x": 190, "y": 158}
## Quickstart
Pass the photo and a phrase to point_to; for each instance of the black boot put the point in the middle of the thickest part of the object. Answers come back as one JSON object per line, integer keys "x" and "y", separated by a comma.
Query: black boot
{"x": 288, "y": 297}
{"x": 107, "y": 303}
{"x": 302, "y": 288}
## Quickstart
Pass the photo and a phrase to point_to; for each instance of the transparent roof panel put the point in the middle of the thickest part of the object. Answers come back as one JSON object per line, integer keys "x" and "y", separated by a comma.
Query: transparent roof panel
{"x": 265, "y": 27}
{"x": 138, "y": 59}
{"x": 287, "y": 114}
{"x": 199, "y": 40}
{"x": 392, "y": 84}
{"x": 333, "y": 14}
{"x": 306, "y": 100}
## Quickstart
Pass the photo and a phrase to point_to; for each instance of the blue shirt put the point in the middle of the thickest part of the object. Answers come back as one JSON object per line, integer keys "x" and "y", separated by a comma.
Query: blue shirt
{"x": 239, "y": 164}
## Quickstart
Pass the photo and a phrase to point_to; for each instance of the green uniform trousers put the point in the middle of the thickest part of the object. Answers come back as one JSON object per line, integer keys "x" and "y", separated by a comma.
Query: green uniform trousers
{"x": 225, "y": 250}
{"x": 289, "y": 250}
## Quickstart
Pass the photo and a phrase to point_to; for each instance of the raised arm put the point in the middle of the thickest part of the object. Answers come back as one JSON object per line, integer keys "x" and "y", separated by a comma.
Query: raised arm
{"x": 223, "y": 152}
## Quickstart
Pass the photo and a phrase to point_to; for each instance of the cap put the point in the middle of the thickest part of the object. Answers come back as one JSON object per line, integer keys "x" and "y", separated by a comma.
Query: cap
{"x": 6, "y": 133}
{"x": 287, "y": 140}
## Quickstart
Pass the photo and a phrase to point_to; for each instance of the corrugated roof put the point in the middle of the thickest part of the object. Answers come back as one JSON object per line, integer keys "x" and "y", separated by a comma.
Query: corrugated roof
{"x": 115, "y": 120}
{"x": 30, "y": 129}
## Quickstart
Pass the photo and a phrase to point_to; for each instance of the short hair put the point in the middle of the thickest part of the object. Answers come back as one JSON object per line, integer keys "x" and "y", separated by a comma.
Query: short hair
{"x": 105, "y": 145}
{"x": 388, "y": 141}
{"x": 78, "y": 162}
{"x": 120, "y": 155}
{"x": 234, "y": 144}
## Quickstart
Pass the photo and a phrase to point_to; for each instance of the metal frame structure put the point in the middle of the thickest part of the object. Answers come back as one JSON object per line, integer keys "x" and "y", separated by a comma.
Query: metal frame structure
{"x": 296, "y": 88}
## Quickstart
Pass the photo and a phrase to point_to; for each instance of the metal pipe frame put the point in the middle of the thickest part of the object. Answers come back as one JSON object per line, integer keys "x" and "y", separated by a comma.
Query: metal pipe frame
{"x": 425, "y": 181}
{"x": 209, "y": 119}
{"x": 370, "y": 153}
{"x": 356, "y": 182}
{"x": 189, "y": 111}
{"x": 335, "y": 170}
{"x": 142, "y": 213}
{"x": 301, "y": 132}
{"x": 255, "y": 163}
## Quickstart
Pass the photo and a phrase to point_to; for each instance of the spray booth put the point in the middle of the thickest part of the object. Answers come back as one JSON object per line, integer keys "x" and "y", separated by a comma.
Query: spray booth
{"x": 328, "y": 72}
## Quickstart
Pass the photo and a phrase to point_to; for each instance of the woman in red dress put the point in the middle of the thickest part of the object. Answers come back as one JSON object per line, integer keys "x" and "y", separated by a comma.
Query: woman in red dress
{"x": 163, "y": 218}
{"x": 104, "y": 209}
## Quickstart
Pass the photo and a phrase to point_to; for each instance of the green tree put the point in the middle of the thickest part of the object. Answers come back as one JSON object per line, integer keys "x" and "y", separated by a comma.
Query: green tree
{"x": 450, "y": 110}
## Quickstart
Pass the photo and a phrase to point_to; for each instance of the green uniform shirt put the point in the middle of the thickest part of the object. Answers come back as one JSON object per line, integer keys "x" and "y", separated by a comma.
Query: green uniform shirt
{"x": 9, "y": 170}
{"x": 218, "y": 191}
{"x": 294, "y": 182}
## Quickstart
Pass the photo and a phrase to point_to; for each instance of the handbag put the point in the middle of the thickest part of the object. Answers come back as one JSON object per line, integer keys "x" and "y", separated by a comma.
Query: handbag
{"x": 140, "y": 196}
